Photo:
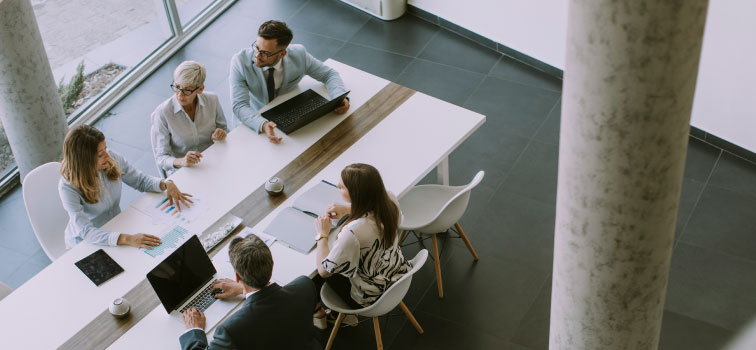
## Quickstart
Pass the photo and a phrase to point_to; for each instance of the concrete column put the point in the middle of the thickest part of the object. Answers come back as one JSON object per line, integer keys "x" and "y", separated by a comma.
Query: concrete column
{"x": 629, "y": 80}
{"x": 30, "y": 108}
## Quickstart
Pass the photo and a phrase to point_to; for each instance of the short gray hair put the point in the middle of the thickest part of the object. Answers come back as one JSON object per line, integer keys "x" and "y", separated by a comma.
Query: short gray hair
{"x": 252, "y": 260}
{"x": 189, "y": 73}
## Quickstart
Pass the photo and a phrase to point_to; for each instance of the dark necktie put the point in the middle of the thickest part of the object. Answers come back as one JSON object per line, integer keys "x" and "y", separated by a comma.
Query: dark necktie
{"x": 271, "y": 84}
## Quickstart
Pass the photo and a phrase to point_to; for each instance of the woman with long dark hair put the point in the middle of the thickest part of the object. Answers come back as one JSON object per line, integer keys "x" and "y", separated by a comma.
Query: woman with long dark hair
{"x": 365, "y": 259}
{"x": 90, "y": 189}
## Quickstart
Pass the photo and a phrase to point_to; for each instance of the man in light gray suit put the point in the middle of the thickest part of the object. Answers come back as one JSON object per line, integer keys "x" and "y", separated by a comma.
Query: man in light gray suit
{"x": 272, "y": 67}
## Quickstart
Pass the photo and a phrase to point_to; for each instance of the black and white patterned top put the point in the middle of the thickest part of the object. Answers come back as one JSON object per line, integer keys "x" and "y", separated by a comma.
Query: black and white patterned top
{"x": 359, "y": 255}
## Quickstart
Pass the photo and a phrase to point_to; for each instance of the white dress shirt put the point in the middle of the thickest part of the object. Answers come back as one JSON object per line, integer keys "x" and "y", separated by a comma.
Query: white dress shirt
{"x": 173, "y": 133}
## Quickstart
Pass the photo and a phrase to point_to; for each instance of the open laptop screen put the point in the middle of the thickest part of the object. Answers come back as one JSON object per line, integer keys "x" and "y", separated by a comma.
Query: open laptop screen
{"x": 181, "y": 274}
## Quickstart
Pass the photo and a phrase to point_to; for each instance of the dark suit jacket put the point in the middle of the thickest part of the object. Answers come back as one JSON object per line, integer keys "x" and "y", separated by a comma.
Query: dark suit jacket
{"x": 274, "y": 317}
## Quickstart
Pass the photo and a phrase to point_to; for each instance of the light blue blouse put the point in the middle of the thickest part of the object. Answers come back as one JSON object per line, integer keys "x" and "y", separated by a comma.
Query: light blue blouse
{"x": 84, "y": 219}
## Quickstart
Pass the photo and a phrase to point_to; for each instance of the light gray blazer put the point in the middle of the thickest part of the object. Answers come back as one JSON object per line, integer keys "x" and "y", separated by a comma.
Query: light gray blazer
{"x": 248, "y": 89}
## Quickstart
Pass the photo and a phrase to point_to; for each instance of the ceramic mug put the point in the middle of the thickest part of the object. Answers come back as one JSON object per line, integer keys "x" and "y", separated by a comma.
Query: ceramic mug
{"x": 119, "y": 307}
{"x": 274, "y": 186}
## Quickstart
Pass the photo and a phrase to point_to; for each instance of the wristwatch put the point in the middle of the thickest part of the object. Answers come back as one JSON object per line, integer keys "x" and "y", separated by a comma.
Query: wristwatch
{"x": 319, "y": 236}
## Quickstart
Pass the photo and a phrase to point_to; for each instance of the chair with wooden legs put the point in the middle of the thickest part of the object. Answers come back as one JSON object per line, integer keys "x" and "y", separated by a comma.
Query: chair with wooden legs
{"x": 433, "y": 209}
{"x": 387, "y": 302}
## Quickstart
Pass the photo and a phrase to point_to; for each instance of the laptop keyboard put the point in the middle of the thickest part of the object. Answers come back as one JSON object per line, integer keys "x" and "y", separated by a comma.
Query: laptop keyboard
{"x": 203, "y": 300}
{"x": 289, "y": 117}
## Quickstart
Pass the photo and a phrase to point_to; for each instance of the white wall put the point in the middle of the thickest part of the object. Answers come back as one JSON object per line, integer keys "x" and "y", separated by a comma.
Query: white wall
{"x": 725, "y": 100}
{"x": 725, "y": 103}
{"x": 536, "y": 28}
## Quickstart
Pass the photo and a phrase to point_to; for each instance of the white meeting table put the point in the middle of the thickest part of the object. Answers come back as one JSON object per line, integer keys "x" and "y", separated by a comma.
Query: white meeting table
{"x": 413, "y": 139}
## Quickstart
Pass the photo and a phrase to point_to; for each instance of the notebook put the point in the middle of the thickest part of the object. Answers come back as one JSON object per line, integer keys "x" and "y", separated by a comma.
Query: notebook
{"x": 294, "y": 226}
{"x": 301, "y": 109}
{"x": 184, "y": 279}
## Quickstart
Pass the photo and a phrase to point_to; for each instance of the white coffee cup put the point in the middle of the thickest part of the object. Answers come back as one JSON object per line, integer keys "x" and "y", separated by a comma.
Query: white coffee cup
{"x": 119, "y": 307}
{"x": 274, "y": 186}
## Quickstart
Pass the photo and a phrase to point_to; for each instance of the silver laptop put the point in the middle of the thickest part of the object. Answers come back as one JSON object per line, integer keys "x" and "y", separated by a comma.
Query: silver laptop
{"x": 184, "y": 279}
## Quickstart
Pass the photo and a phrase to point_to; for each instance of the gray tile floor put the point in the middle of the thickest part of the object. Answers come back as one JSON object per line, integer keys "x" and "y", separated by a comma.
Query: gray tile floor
{"x": 502, "y": 301}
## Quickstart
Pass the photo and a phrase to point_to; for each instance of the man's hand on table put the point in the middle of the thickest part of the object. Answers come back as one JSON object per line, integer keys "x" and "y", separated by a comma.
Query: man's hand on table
{"x": 230, "y": 288}
{"x": 194, "y": 318}
{"x": 269, "y": 129}
{"x": 343, "y": 108}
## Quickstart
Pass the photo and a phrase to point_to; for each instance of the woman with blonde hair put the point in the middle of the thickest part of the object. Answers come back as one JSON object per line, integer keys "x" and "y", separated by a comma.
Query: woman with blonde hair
{"x": 365, "y": 259}
{"x": 187, "y": 123}
{"x": 90, "y": 189}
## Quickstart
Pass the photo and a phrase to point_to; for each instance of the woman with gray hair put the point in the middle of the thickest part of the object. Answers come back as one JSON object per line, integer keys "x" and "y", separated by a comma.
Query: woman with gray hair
{"x": 188, "y": 122}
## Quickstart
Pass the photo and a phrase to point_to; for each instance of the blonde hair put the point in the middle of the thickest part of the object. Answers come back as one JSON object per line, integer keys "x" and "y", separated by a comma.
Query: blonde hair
{"x": 79, "y": 165}
{"x": 189, "y": 73}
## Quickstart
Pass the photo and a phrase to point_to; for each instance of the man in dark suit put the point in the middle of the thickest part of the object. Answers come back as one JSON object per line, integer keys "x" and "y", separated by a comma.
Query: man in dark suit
{"x": 272, "y": 317}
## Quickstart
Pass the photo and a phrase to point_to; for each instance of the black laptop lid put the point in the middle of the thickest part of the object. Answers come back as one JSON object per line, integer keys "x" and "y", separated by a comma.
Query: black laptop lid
{"x": 292, "y": 103}
{"x": 314, "y": 114}
{"x": 289, "y": 123}
{"x": 181, "y": 274}
{"x": 331, "y": 105}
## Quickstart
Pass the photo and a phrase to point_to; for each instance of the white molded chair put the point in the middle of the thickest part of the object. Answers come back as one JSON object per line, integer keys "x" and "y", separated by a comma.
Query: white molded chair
{"x": 387, "y": 302}
{"x": 436, "y": 208}
{"x": 4, "y": 290}
{"x": 45, "y": 210}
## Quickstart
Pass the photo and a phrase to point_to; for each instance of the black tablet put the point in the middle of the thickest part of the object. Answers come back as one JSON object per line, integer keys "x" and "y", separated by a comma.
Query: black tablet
{"x": 99, "y": 267}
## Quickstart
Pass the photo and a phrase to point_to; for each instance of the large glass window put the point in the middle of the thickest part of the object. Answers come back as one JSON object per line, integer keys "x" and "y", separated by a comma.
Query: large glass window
{"x": 189, "y": 9}
{"x": 98, "y": 39}
{"x": 92, "y": 44}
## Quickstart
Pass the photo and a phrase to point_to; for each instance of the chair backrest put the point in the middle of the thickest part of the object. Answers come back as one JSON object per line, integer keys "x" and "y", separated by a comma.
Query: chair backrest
{"x": 392, "y": 296}
{"x": 454, "y": 208}
{"x": 4, "y": 290}
{"x": 46, "y": 214}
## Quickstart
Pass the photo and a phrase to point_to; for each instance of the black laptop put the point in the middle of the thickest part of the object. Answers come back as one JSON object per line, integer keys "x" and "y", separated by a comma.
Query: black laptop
{"x": 300, "y": 110}
{"x": 184, "y": 279}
